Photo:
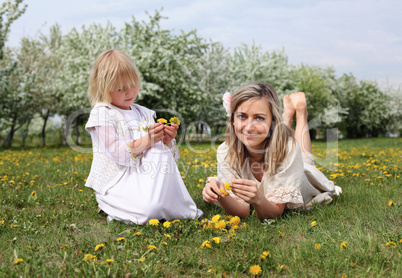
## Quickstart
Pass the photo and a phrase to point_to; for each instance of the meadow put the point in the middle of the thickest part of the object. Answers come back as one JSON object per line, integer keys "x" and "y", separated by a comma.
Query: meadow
{"x": 49, "y": 225}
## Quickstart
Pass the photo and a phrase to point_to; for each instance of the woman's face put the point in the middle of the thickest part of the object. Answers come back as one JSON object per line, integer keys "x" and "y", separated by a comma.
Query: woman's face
{"x": 125, "y": 96}
{"x": 252, "y": 122}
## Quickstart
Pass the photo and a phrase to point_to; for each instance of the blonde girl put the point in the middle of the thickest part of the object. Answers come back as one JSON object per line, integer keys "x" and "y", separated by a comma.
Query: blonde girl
{"x": 134, "y": 172}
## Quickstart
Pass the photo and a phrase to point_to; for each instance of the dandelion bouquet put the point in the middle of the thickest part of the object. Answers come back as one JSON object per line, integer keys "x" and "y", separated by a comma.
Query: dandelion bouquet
{"x": 173, "y": 120}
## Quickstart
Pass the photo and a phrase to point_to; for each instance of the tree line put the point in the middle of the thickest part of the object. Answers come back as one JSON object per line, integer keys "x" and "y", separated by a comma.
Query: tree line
{"x": 183, "y": 74}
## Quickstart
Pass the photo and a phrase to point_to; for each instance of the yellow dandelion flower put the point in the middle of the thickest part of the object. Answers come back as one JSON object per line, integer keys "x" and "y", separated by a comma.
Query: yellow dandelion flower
{"x": 168, "y": 236}
{"x": 175, "y": 221}
{"x": 109, "y": 261}
{"x": 281, "y": 234}
{"x": 167, "y": 224}
{"x": 314, "y": 223}
{"x": 344, "y": 245}
{"x": 19, "y": 260}
{"x": 215, "y": 218}
{"x": 136, "y": 233}
{"x": 223, "y": 191}
{"x": 228, "y": 186}
{"x": 231, "y": 235}
{"x": 162, "y": 120}
{"x": 317, "y": 246}
{"x": 142, "y": 259}
{"x": 400, "y": 241}
{"x": 266, "y": 253}
{"x": 235, "y": 220}
{"x": 164, "y": 243}
{"x": 262, "y": 257}
{"x": 200, "y": 180}
{"x": 33, "y": 193}
{"x": 206, "y": 244}
{"x": 99, "y": 246}
{"x": 174, "y": 120}
{"x": 391, "y": 244}
{"x": 65, "y": 246}
{"x": 89, "y": 257}
{"x": 221, "y": 225}
{"x": 212, "y": 270}
{"x": 121, "y": 239}
{"x": 255, "y": 270}
{"x": 352, "y": 264}
{"x": 154, "y": 222}
{"x": 217, "y": 240}
{"x": 153, "y": 247}
{"x": 390, "y": 203}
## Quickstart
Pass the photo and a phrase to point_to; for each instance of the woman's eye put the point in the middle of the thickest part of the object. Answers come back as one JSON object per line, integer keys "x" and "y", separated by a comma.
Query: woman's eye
{"x": 241, "y": 117}
{"x": 260, "y": 119}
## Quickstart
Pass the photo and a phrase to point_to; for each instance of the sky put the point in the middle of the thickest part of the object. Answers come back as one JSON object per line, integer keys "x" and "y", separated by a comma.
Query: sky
{"x": 362, "y": 37}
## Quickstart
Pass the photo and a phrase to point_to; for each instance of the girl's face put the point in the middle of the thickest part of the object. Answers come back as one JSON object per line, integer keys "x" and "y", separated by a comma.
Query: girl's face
{"x": 252, "y": 122}
{"x": 123, "y": 97}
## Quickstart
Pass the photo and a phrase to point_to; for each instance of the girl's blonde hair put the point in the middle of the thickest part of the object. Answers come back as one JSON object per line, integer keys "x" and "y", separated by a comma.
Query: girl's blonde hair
{"x": 112, "y": 70}
{"x": 275, "y": 148}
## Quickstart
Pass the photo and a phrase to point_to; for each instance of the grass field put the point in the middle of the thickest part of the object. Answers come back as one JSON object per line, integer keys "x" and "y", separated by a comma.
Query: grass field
{"x": 49, "y": 226}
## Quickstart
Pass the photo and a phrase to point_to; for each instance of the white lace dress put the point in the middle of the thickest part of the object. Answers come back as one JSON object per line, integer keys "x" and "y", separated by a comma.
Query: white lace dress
{"x": 152, "y": 186}
{"x": 297, "y": 183}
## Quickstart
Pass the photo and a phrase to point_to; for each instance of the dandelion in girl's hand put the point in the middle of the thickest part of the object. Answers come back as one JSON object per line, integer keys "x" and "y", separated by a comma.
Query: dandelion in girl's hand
{"x": 174, "y": 120}
{"x": 154, "y": 222}
{"x": 99, "y": 246}
{"x": 255, "y": 270}
{"x": 162, "y": 120}
{"x": 228, "y": 186}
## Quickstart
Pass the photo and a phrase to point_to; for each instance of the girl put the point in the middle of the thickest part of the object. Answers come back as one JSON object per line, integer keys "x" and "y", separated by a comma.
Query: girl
{"x": 267, "y": 165}
{"x": 134, "y": 172}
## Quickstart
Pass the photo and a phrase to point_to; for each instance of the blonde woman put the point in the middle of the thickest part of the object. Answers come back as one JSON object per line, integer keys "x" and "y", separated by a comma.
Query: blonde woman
{"x": 134, "y": 172}
{"x": 267, "y": 164}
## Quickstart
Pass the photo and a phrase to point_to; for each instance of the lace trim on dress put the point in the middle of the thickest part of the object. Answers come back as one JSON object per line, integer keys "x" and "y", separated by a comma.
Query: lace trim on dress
{"x": 290, "y": 196}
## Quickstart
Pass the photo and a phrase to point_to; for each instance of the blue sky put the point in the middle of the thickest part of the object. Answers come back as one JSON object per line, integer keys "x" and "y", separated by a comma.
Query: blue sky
{"x": 363, "y": 37}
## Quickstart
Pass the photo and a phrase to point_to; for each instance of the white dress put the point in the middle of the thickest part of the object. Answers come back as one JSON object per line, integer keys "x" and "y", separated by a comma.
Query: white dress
{"x": 151, "y": 188}
{"x": 297, "y": 183}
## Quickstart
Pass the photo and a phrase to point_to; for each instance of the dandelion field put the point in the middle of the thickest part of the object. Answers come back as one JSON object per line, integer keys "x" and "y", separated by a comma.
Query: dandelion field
{"x": 49, "y": 226}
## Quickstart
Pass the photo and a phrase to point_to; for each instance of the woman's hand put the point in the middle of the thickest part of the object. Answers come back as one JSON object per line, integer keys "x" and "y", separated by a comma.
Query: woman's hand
{"x": 155, "y": 132}
{"x": 211, "y": 191}
{"x": 169, "y": 133}
{"x": 247, "y": 190}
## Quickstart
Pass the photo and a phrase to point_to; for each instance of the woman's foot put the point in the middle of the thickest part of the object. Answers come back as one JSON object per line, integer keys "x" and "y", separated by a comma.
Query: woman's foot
{"x": 289, "y": 110}
{"x": 299, "y": 103}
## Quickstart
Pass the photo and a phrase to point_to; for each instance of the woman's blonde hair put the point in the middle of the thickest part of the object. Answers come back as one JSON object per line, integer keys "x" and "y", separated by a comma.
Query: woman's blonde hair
{"x": 275, "y": 145}
{"x": 112, "y": 70}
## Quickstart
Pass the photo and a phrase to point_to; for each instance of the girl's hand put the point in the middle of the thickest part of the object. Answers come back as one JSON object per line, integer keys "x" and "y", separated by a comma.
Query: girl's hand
{"x": 169, "y": 133}
{"x": 211, "y": 191}
{"x": 247, "y": 190}
{"x": 155, "y": 132}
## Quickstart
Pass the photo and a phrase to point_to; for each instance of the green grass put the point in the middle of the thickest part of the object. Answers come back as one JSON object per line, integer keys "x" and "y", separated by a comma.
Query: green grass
{"x": 49, "y": 220}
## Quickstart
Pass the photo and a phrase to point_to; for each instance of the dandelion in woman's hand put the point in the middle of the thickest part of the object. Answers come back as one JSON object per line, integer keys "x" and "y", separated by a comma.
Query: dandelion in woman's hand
{"x": 223, "y": 191}
{"x": 228, "y": 186}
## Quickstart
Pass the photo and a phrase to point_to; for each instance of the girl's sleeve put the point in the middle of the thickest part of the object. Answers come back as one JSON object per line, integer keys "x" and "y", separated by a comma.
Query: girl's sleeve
{"x": 285, "y": 186}
{"x": 115, "y": 147}
{"x": 225, "y": 172}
